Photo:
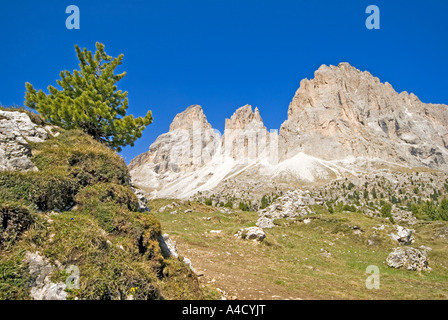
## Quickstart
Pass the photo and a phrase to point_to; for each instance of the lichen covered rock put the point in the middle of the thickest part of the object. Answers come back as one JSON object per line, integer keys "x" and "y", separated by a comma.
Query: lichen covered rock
{"x": 408, "y": 258}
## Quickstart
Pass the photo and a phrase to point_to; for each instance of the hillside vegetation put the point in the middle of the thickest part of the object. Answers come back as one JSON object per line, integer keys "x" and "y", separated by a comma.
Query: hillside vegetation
{"x": 79, "y": 210}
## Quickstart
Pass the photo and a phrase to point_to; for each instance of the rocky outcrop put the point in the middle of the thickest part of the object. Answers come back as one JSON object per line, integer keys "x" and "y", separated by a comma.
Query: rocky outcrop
{"x": 408, "y": 258}
{"x": 16, "y": 130}
{"x": 42, "y": 287}
{"x": 293, "y": 204}
{"x": 141, "y": 198}
{"x": 169, "y": 250}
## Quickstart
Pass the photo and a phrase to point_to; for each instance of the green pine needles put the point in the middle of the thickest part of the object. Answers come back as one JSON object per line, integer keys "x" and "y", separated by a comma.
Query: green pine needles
{"x": 89, "y": 100}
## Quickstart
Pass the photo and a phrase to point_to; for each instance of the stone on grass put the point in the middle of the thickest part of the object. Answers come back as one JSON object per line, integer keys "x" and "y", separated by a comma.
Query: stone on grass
{"x": 251, "y": 233}
{"x": 408, "y": 258}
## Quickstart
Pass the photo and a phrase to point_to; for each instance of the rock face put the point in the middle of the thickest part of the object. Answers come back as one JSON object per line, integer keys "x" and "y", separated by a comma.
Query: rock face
{"x": 343, "y": 121}
{"x": 190, "y": 143}
{"x": 16, "y": 129}
{"x": 349, "y": 113}
{"x": 245, "y": 136}
{"x": 408, "y": 258}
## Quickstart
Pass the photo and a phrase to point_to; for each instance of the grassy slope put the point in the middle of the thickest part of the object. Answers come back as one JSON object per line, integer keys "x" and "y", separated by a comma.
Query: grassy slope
{"x": 289, "y": 263}
{"x": 78, "y": 209}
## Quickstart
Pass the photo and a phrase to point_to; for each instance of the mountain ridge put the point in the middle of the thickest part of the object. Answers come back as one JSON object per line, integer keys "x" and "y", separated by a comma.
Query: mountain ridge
{"x": 342, "y": 121}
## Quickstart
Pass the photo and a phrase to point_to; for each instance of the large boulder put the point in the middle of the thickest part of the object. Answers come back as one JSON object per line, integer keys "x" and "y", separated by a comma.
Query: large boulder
{"x": 408, "y": 258}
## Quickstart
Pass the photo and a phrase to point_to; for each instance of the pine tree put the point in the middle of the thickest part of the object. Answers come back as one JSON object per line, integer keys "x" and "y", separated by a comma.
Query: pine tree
{"x": 89, "y": 100}
{"x": 264, "y": 202}
{"x": 443, "y": 210}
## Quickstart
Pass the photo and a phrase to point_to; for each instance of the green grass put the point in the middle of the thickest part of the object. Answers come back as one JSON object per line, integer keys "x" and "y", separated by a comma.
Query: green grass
{"x": 14, "y": 277}
{"x": 290, "y": 258}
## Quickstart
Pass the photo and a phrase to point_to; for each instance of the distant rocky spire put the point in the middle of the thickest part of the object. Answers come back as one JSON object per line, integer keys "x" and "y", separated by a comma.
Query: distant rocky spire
{"x": 244, "y": 118}
{"x": 245, "y": 134}
{"x": 187, "y": 118}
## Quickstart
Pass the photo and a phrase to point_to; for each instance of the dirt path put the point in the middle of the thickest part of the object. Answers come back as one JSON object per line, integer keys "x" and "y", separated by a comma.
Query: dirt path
{"x": 234, "y": 273}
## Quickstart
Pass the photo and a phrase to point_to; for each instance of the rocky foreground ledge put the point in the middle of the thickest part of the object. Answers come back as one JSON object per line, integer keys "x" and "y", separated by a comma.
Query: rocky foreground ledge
{"x": 16, "y": 131}
{"x": 72, "y": 226}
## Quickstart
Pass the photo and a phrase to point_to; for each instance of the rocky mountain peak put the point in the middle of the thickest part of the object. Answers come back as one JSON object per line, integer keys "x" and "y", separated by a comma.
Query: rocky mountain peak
{"x": 343, "y": 70}
{"x": 257, "y": 115}
{"x": 350, "y": 113}
{"x": 244, "y": 118}
{"x": 186, "y": 119}
{"x": 245, "y": 135}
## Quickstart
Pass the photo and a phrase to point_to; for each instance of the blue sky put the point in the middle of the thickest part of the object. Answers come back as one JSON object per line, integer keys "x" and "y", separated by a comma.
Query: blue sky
{"x": 224, "y": 54}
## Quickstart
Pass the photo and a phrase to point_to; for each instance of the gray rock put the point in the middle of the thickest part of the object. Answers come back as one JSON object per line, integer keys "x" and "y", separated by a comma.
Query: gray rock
{"x": 265, "y": 223}
{"x": 325, "y": 253}
{"x": 188, "y": 263}
{"x": 167, "y": 246}
{"x": 293, "y": 204}
{"x": 251, "y": 233}
{"x": 408, "y": 258}
{"x": 141, "y": 197}
{"x": 16, "y": 129}
{"x": 403, "y": 236}
{"x": 165, "y": 208}
{"x": 42, "y": 288}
